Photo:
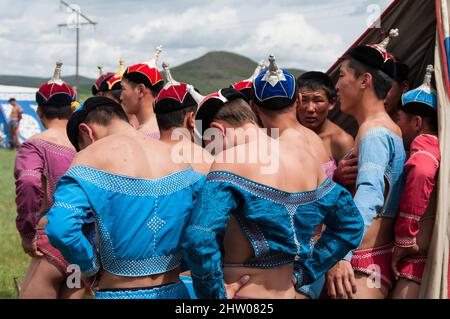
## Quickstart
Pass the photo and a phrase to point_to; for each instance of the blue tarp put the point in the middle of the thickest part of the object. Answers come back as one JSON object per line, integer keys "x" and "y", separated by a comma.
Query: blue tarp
{"x": 30, "y": 123}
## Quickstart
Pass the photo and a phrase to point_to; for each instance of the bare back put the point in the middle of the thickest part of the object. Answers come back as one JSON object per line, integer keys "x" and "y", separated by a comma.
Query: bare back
{"x": 185, "y": 151}
{"x": 130, "y": 154}
{"x": 297, "y": 171}
{"x": 316, "y": 145}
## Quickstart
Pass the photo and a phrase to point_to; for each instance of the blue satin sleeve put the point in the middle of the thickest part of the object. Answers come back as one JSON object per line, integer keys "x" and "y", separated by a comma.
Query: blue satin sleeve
{"x": 67, "y": 220}
{"x": 343, "y": 232}
{"x": 203, "y": 239}
{"x": 373, "y": 159}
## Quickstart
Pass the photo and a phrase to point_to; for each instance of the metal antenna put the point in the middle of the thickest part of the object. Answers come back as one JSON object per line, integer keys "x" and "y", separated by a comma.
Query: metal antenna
{"x": 77, "y": 25}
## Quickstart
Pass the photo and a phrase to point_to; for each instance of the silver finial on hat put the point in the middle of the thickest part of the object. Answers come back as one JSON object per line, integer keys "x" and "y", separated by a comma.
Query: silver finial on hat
{"x": 121, "y": 67}
{"x": 274, "y": 74}
{"x": 154, "y": 59}
{"x": 100, "y": 70}
{"x": 198, "y": 98}
{"x": 169, "y": 78}
{"x": 428, "y": 75}
{"x": 393, "y": 33}
{"x": 261, "y": 66}
{"x": 57, "y": 74}
{"x": 426, "y": 86}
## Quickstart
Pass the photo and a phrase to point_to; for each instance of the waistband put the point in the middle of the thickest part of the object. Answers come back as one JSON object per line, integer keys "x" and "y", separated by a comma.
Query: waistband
{"x": 170, "y": 291}
{"x": 267, "y": 262}
{"x": 133, "y": 289}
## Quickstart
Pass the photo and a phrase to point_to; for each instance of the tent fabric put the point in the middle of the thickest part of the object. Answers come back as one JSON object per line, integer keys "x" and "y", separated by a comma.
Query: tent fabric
{"x": 30, "y": 124}
{"x": 414, "y": 46}
{"x": 436, "y": 276}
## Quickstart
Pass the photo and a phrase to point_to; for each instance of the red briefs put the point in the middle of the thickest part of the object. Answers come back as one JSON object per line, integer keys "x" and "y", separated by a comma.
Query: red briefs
{"x": 412, "y": 268}
{"x": 51, "y": 253}
{"x": 375, "y": 261}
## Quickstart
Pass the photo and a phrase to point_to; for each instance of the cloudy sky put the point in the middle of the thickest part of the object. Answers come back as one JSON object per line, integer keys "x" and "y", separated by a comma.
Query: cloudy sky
{"x": 306, "y": 34}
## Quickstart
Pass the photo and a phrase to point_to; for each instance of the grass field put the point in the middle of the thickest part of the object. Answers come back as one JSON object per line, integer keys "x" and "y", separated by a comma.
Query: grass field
{"x": 13, "y": 261}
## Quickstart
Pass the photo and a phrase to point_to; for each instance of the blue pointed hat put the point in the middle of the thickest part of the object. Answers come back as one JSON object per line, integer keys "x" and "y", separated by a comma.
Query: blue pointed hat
{"x": 275, "y": 89}
{"x": 422, "y": 97}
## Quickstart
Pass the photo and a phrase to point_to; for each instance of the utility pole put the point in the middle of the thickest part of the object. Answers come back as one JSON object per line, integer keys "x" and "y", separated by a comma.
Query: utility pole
{"x": 76, "y": 15}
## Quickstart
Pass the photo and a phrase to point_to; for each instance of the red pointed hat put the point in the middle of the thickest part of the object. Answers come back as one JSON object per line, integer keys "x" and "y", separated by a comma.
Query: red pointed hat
{"x": 146, "y": 73}
{"x": 245, "y": 86}
{"x": 174, "y": 96}
{"x": 55, "y": 92}
{"x": 209, "y": 107}
{"x": 112, "y": 83}
{"x": 102, "y": 77}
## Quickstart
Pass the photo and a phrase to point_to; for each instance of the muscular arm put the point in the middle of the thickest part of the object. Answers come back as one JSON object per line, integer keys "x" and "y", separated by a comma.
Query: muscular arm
{"x": 341, "y": 144}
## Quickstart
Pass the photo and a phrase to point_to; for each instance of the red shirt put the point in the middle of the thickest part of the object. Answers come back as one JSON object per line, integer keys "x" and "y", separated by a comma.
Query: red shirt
{"x": 420, "y": 170}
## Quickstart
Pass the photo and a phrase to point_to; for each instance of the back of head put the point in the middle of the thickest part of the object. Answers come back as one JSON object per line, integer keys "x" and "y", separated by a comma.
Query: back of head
{"x": 174, "y": 101}
{"x": 237, "y": 113}
{"x": 96, "y": 110}
{"x": 276, "y": 89}
{"x": 316, "y": 81}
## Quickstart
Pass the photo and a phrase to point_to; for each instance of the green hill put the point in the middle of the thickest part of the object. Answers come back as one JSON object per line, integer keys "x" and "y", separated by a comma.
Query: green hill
{"x": 216, "y": 70}
{"x": 29, "y": 81}
{"x": 208, "y": 73}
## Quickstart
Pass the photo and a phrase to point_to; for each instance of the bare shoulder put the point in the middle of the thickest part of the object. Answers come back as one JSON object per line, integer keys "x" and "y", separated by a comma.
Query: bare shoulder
{"x": 381, "y": 122}
{"x": 341, "y": 138}
{"x": 321, "y": 151}
{"x": 238, "y": 160}
{"x": 202, "y": 159}
{"x": 103, "y": 151}
{"x": 38, "y": 136}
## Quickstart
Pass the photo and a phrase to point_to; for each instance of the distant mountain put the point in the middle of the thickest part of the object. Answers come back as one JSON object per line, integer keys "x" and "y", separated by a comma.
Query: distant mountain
{"x": 216, "y": 70}
{"x": 36, "y": 82}
{"x": 208, "y": 73}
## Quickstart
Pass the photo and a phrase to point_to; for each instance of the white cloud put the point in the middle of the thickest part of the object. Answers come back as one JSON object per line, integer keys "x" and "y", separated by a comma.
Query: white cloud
{"x": 297, "y": 32}
{"x": 290, "y": 38}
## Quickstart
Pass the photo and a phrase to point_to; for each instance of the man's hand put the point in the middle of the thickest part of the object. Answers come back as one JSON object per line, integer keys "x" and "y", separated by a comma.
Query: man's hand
{"x": 341, "y": 283}
{"x": 233, "y": 288}
{"x": 398, "y": 254}
{"x": 31, "y": 249}
{"x": 346, "y": 172}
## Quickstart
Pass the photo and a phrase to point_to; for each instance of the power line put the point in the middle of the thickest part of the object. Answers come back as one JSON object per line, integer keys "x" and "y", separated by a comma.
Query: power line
{"x": 77, "y": 25}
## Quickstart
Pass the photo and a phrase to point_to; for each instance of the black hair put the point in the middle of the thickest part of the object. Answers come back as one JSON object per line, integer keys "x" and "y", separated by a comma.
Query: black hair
{"x": 52, "y": 112}
{"x": 172, "y": 119}
{"x": 382, "y": 82}
{"x": 100, "y": 110}
{"x": 12, "y": 100}
{"x": 142, "y": 79}
{"x": 425, "y": 112}
{"x": 317, "y": 81}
